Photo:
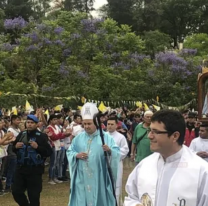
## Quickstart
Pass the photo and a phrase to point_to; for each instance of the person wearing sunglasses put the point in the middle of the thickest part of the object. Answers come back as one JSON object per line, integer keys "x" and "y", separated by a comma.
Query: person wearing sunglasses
{"x": 173, "y": 174}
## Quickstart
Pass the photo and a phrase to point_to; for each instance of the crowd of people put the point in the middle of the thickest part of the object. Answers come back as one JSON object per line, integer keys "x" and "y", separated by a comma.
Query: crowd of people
{"x": 73, "y": 146}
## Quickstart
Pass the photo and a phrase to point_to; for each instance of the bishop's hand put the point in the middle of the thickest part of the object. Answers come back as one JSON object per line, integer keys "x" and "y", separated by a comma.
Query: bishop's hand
{"x": 82, "y": 156}
{"x": 106, "y": 148}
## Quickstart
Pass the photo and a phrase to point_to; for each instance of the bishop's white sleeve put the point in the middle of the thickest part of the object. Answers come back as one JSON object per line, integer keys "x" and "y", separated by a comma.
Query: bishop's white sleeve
{"x": 202, "y": 199}
{"x": 124, "y": 149}
{"x": 132, "y": 190}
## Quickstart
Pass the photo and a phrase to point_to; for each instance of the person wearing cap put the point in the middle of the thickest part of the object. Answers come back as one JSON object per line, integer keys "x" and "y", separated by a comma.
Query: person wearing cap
{"x": 141, "y": 142}
{"x": 32, "y": 148}
{"x": 90, "y": 180}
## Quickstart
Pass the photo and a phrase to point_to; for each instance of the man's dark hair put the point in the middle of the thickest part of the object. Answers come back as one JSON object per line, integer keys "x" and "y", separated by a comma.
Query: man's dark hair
{"x": 14, "y": 117}
{"x": 137, "y": 115}
{"x": 173, "y": 121}
{"x": 205, "y": 126}
{"x": 113, "y": 118}
{"x": 77, "y": 116}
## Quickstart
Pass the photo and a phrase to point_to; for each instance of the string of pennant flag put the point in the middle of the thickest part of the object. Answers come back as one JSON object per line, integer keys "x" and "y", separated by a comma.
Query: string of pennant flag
{"x": 102, "y": 105}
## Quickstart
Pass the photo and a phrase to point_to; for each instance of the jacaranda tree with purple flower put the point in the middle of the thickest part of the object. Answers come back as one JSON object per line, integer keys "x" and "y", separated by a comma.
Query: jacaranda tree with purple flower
{"x": 96, "y": 58}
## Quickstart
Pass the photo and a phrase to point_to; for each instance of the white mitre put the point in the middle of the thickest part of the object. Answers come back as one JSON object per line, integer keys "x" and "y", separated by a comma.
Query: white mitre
{"x": 88, "y": 111}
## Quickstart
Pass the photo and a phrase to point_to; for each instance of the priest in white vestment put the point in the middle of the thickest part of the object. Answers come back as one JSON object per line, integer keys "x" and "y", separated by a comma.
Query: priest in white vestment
{"x": 200, "y": 145}
{"x": 121, "y": 142}
{"x": 173, "y": 175}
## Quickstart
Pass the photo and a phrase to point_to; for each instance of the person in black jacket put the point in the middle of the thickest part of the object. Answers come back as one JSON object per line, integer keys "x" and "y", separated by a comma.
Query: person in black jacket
{"x": 32, "y": 148}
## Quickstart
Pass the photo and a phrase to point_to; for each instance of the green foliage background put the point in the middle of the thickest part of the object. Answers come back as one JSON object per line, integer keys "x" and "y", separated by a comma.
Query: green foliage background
{"x": 131, "y": 54}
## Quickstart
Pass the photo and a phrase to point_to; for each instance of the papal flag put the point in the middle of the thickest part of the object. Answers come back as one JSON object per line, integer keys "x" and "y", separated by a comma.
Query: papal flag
{"x": 14, "y": 110}
{"x": 28, "y": 106}
{"x": 139, "y": 104}
{"x": 83, "y": 100}
{"x": 156, "y": 107}
{"x": 146, "y": 108}
{"x": 9, "y": 113}
{"x": 58, "y": 107}
{"x": 102, "y": 107}
{"x": 47, "y": 114}
{"x": 79, "y": 108}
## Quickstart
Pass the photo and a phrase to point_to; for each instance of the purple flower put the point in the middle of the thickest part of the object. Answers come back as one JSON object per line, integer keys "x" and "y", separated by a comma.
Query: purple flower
{"x": 31, "y": 48}
{"x": 138, "y": 57}
{"x": 75, "y": 36}
{"x": 117, "y": 65}
{"x": 7, "y": 47}
{"x": 58, "y": 30}
{"x": 190, "y": 52}
{"x": 42, "y": 27}
{"x": 127, "y": 66}
{"x": 47, "y": 88}
{"x": 109, "y": 46}
{"x": 101, "y": 32}
{"x": 34, "y": 37}
{"x": 115, "y": 55}
{"x": 17, "y": 41}
{"x": 40, "y": 44}
{"x": 188, "y": 73}
{"x": 170, "y": 58}
{"x": 16, "y": 23}
{"x": 63, "y": 70}
{"x": 82, "y": 74}
{"x": 157, "y": 64}
{"x": 47, "y": 41}
{"x": 199, "y": 67}
{"x": 90, "y": 25}
{"x": 66, "y": 52}
{"x": 59, "y": 42}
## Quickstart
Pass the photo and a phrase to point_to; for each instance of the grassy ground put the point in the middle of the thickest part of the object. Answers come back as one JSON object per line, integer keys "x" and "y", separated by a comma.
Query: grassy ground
{"x": 56, "y": 195}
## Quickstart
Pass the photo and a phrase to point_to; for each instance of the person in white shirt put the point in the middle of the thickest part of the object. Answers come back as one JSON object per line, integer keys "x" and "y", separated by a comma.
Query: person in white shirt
{"x": 200, "y": 145}
{"x": 121, "y": 141}
{"x": 12, "y": 157}
{"x": 76, "y": 126}
{"x": 173, "y": 174}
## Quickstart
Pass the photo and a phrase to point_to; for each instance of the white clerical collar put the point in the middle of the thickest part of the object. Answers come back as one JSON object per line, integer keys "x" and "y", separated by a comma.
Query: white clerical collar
{"x": 113, "y": 133}
{"x": 205, "y": 140}
{"x": 174, "y": 157}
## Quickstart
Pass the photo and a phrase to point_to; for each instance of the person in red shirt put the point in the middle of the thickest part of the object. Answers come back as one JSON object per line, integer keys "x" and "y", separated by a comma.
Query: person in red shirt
{"x": 192, "y": 129}
{"x": 55, "y": 134}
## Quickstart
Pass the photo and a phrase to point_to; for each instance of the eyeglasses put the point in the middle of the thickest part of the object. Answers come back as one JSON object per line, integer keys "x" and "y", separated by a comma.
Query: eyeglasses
{"x": 156, "y": 132}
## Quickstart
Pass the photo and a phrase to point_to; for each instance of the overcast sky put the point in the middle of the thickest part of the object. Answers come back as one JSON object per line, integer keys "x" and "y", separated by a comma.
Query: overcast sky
{"x": 99, "y": 3}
